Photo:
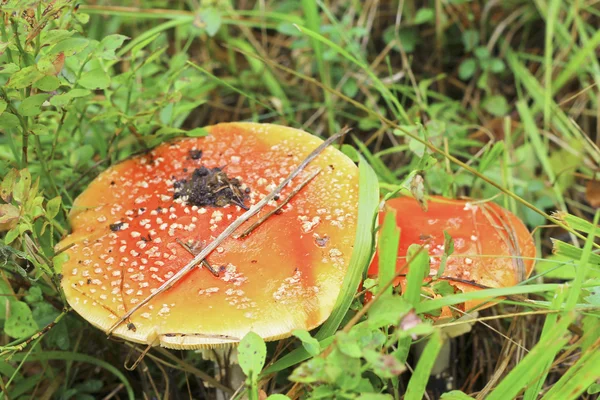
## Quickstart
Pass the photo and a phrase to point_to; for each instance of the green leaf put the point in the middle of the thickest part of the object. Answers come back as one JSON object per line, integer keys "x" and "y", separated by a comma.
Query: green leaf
{"x": 375, "y": 396}
{"x": 70, "y": 46}
{"x": 496, "y": 105}
{"x": 9, "y": 121}
{"x": 252, "y": 353}
{"x": 53, "y": 36}
{"x": 39, "y": 129}
{"x": 594, "y": 388}
{"x": 3, "y": 106}
{"x": 32, "y": 105}
{"x": 470, "y": 39}
{"x": 278, "y": 397}
{"x": 34, "y": 295}
{"x": 455, "y": 395}
{"x": 388, "y": 310}
{"x": 25, "y": 77}
{"x": 64, "y": 98}
{"x": 53, "y": 206}
{"x": 310, "y": 343}
{"x": 9, "y": 214}
{"x": 314, "y": 370}
{"x": 82, "y": 154}
{"x": 443, "y": 288}
{"x": 11, "y": 235}
{"x": 348, "y": 345}
{"x": 20, "y": 324}
{"x": 197, "y": 132}
{"x": 9, "y": 68}
{"x": 59, "y": 260}
{"x": 95, "y": 79}
{"x": 107, "y": 47}
{"x": 48, "y": 83}
{"x": 211, "y": 18}
{"x": 466, "y": 70}
{"x": 385, "y": 366}
{"x": 424, "y": 15}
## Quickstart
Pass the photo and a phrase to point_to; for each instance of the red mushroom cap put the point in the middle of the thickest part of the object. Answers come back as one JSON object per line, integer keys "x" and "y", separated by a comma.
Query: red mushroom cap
{"x": 492, "y": 247}
{"x": 285, "y": 275}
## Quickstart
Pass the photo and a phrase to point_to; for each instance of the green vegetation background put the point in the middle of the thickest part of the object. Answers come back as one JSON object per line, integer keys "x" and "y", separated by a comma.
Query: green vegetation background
{"x": 493, "y": 100}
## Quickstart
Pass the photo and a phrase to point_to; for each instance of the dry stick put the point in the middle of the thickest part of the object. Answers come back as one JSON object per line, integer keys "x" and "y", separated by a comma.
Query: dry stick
{"x": 294, "y": 192}
{"x": 195, "y": 253}
{"x": 230, "y": 229}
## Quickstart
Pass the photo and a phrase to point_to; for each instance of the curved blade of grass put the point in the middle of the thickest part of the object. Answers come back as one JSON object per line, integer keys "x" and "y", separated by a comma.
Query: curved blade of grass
{"x": 262, "y": 70}
{"x": 389, "y": 241}
{"x": 551, "y": 20}
{"x": 540, "y": 149}
{"x": 313, "y": 22}
{"x": 551, "y": 319}
{"x": 534, "y": 362}
{"x": 560, "y": 120}
{"x": 388, "y": 95}
{"x": 368, "y": 200}
{"x": 383, "y": 172}
{"x": 78, "y": 357}
{"x": 418, "y": 380}
{"x": 579, "y": 377}
{"x": 575, "y": 287}
{"x": 436, "y": 304}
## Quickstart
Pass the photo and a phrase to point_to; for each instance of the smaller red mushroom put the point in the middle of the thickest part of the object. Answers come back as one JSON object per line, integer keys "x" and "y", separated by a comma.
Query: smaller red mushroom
{"x": 492, "y": 247}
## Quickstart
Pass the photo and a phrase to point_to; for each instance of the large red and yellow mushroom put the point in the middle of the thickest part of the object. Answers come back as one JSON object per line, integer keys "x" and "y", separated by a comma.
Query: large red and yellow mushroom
{"x": 492, "y": 247}
{"x": 140, "y": 221}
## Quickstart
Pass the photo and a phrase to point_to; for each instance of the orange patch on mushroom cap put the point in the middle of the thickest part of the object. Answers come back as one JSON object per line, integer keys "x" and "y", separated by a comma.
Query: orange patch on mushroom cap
{"x": 285, "y": 275}
{"x": 492, "y": 247}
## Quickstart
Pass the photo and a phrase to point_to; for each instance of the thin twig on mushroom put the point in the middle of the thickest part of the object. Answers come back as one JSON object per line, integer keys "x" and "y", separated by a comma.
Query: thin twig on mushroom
{"x": 229, "y": 230}
{"x": 294, "y": 192}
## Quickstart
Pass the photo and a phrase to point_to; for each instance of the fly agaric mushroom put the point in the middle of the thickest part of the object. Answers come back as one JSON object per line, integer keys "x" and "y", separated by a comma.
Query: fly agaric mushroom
{"x": 492, "y": 247}
{"x": 142, "y": 220}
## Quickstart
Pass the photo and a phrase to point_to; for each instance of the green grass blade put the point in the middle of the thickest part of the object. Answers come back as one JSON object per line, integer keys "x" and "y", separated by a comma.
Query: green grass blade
{"x": 568, "y": 250}
{"x": 376, "y": 81}
{"x": 551, "y": 21}
{"x": 313, "y": 22}
{"x": 575, "y": 288}
{"x": 418, "y": 380}
{"x": 577, "y": 62}
{"x": 77, "y": 357}
{"x": 579, "y": 377}
{"x": 261, "y": 70}
{"x": 533, "y": 391}
{"x": 560, "y": 120}
{"x": 538, "y": 145}
{"x": 435, "y": 304}
{"x": 389, "y": 240}
{"x": 534, "y": 362}
{"x": 578, "y": 224}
